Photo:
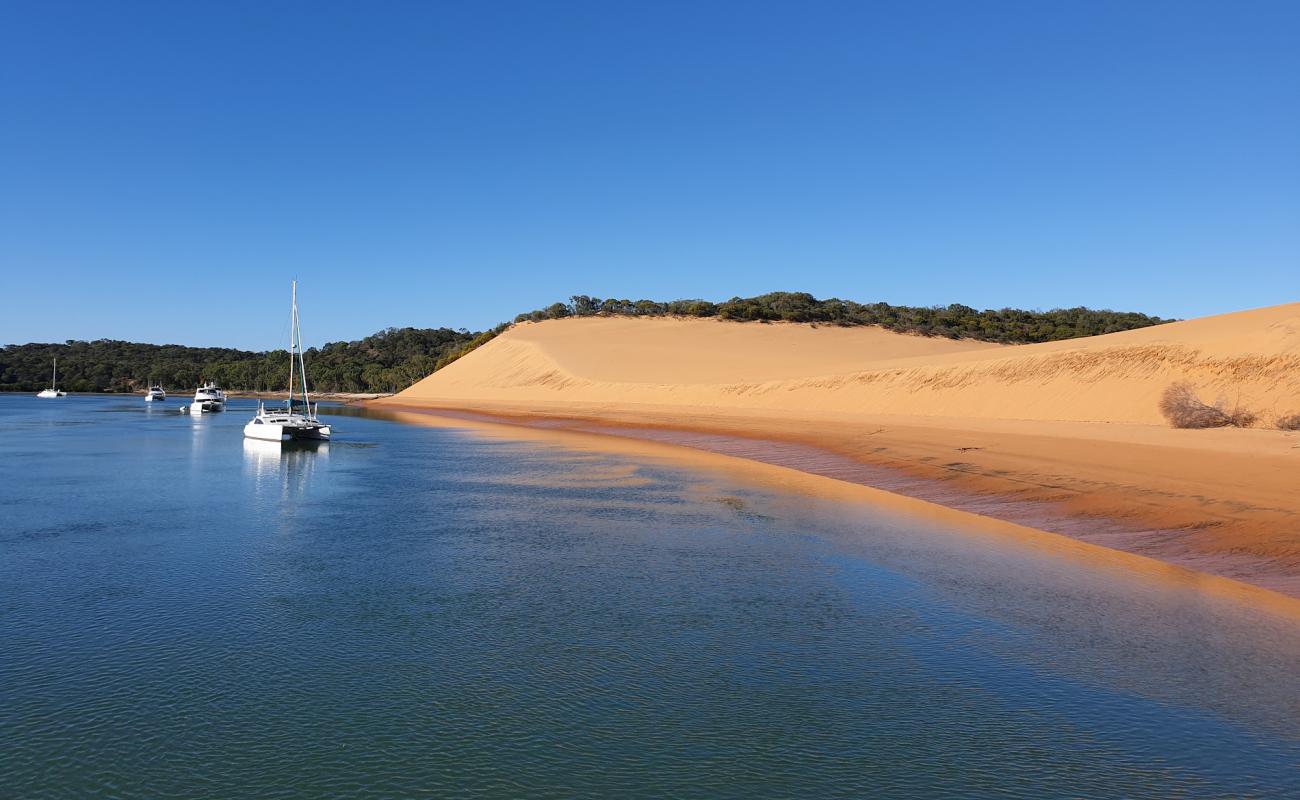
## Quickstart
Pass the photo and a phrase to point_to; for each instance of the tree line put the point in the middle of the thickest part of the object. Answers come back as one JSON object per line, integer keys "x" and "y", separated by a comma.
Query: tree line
{"x": 387, "y": 361}
{"x": 395, "y": 358}
{"x": 1006, "y": 325}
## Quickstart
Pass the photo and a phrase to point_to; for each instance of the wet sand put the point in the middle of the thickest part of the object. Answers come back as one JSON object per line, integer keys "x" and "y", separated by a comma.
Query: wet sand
{"x": 1037, "y": 481}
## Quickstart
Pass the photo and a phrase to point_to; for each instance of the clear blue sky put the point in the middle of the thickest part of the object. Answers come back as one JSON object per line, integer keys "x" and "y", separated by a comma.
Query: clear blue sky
{"x": 166, "y": 168}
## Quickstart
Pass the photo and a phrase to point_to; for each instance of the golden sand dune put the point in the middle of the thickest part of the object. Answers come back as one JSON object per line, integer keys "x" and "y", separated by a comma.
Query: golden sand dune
{"x": 660, "y": 350}
{"x": 1064, "y": 436}
{"x": 1251, "y": 358}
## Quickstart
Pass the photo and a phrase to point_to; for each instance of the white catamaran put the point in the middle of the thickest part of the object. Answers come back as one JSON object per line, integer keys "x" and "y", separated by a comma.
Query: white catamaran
{"x": 53, "y": 391}
{"x": 155, "y": 394}
{"x": 297, "y": 420}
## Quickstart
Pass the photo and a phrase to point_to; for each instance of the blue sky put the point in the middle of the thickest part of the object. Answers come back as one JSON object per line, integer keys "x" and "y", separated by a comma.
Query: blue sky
{"x": 165, "y": 169}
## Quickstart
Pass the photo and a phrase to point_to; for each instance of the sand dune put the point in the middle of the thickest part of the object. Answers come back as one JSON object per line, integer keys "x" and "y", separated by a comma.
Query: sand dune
{"x": 1065, "y": 436}
{"x": 1251, "y": 357}
{"x": 660, "y": 350}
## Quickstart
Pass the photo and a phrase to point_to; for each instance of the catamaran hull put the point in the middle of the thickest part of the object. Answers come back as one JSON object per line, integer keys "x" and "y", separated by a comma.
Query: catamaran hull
{"x": 287, "y": 433}
{"x": 50, "y": 393}
{"x": 203, "y": 406}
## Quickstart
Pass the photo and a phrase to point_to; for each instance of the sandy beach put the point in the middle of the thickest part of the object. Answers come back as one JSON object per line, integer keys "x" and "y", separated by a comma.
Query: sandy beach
{"x": 1065, "y": 436}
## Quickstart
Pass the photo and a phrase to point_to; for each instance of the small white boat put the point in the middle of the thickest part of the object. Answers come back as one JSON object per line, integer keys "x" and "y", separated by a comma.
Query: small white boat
{"x": 155, "y": 394}
{"x": 208, "y": 397}
{"x": 297, "y": 421}
{"x": 53, "y": 391}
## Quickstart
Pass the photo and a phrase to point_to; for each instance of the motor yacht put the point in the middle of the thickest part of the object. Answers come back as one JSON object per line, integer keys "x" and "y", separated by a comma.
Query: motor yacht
{"x": 208, "y": 397}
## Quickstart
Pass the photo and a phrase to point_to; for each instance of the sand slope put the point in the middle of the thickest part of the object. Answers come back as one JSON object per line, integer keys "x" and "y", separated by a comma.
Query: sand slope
{"x": 1251, "y": 357}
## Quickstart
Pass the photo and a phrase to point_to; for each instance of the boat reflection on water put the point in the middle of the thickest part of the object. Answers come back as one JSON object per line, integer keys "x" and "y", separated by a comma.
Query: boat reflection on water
{"x": 287, "y": 466}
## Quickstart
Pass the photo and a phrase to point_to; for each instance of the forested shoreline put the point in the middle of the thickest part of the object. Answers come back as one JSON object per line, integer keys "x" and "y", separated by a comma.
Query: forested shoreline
{"x": 393, "y": 359}
{"x": 387, "y": 361}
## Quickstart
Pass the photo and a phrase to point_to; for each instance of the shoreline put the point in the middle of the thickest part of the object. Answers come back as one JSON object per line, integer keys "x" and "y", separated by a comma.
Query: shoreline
{"x": 1016, "y": 472}
{"x": 343, "y": 397}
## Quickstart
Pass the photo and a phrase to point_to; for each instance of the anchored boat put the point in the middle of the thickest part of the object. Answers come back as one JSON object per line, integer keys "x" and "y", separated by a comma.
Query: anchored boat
{"x": 208, "y": 397}
{"x": 155, "y": 394}
{"x": 53, "y": 391}
{"x": 297, "y": 421}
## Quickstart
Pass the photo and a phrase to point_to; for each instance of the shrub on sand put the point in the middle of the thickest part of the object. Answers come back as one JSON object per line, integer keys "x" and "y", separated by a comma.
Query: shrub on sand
{"x": 1180, "y": 405}
{"x": 1291, "y": 422}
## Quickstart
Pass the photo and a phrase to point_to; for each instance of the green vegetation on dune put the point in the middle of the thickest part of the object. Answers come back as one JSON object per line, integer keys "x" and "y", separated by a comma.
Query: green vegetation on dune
{"x": 1007, "y": 325}
{"x": 395, "y": 358}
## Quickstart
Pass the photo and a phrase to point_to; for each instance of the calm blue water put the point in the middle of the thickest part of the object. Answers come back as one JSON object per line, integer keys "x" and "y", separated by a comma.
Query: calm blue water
{"x": 413, "y": 612}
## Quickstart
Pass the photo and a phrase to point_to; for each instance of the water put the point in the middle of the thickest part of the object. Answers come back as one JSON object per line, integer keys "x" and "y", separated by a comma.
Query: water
{"x": 414, "y": 611}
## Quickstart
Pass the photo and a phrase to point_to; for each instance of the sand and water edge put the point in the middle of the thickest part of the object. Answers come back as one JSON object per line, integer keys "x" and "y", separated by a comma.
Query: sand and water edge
{"x": 774, "y": 458}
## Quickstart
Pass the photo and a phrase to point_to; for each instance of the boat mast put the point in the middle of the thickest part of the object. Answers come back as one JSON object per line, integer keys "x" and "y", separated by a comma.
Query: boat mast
{"x": 302, "y": 368}
{"x": 293, "y": 327}
{"x": 54, "y": 379}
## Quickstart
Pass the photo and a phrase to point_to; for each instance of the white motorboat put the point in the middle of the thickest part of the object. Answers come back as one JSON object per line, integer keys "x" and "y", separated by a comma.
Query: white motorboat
{"x": 155, "y": 394}
{"x": 208, "y": 397}
{"x": 297, "y": 421}
{"x": 53, "y": 391}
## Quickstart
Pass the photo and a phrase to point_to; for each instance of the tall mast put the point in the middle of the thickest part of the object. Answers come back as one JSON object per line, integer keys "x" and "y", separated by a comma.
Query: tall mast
{"x": 293, "y": 327}
{"x": 54, "y": 380}
{"x": 302, "y": 368}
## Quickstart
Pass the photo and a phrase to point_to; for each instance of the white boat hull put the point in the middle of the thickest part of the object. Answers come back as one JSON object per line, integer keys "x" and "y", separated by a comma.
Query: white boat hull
{"x": 208, "y": 397}
{"x": 53, "y": 391}
{"x": 272, "y": 432}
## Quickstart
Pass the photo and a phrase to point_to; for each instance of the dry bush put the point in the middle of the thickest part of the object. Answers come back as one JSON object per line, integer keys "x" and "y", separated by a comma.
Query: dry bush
{"x": 1241, "y": 418}
{"x": 1184, "y": 409}
{"x": 1291, "y": 422}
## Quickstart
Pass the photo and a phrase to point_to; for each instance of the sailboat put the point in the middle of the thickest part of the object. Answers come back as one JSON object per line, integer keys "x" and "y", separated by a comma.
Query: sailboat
{"x": 297, "y": 420}
{"x": 53, "y": 391}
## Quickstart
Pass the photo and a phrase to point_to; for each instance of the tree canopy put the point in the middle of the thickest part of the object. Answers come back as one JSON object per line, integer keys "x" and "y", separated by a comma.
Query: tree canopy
{"x": 1007, "y": 325}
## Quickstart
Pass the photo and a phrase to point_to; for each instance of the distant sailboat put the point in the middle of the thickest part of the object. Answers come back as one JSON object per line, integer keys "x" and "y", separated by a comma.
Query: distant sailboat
{"x": 290, "y": 423}
{"x": 155, "y": 394}
{"x": 53, "y": 391}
